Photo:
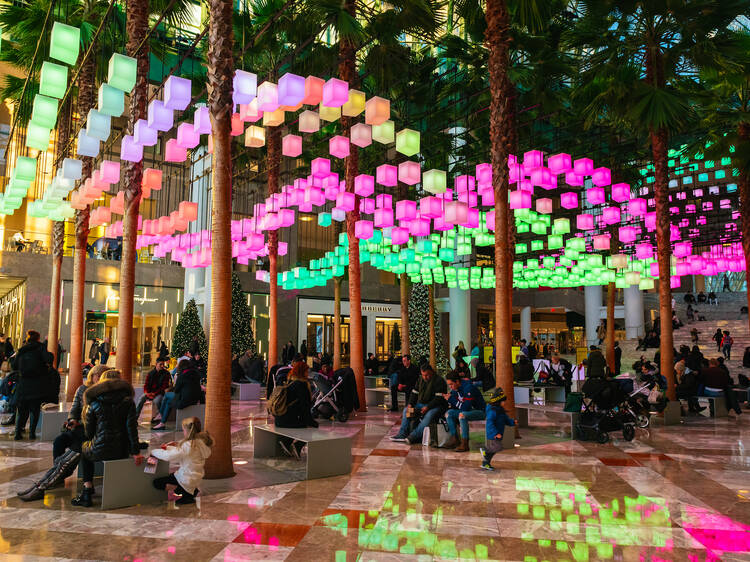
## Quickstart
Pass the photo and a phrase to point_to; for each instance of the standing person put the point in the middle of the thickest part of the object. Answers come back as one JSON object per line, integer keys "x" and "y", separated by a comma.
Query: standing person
{"x": 191, "y": 454}
{"x": 403, "y": 380}
{"x": 187, "y": 392}
{"x": 35, "y": 382}
{"x": 618, "y": 358}
{"x": 104, "y": 350}
{"x": 466, "y": 404}
{"x": 303, "y": 349}
{"x": 726, "y": 345}
{"x": 718, "y": 336}
{"x": 158, "y": 381}
{"x": 163, "y": 351}
{"x": 601, "y": 329}
{"x": 726, "y": 288}
{"x": 6, "y": 348}
{"x": 497, "y": 419}
{"x": 426, "y": 401}
{"x": 596, "y": 364}
{"x": 110, "y": 427}
{"x": 94, "y": 352}
{"x": 290, "y": 406}
{"x": 459, "y": 352}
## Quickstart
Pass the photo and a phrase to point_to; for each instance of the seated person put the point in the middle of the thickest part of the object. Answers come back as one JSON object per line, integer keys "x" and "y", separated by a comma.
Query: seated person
{"x": 689, "y": 298}
{"x": 187, "y": 392}
{"x": 483, "y": 378}
{"x": 701, "y": 297}
{"x": 158, "y": 380}
{"x": 712, "y": 298}
{"x": 462, "y": 368}
{"x": 326, "y": 370}
{"x": 687, "y": 387}
{"x": 252, "y": 367}
{"x": 403, "y": 380}
{"x": 371, "y": 365}
{"x": 524, "y": 369}
{"x": 715, "y": 381}
{"x": 426, "y": 401}
{"x": 746, "y": 358}
{"x": 466, "y": 404}
{"x": 237, "y": 373}
{"x": 560, "y": 372}
{"x": 297, "y": 397}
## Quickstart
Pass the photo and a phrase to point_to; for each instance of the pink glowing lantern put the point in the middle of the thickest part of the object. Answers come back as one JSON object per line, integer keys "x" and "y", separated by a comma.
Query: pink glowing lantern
{"x": 384, "y": 201}
{"x": 456, "y": 212}
{"x": 464, "y": 183}
{"x": 345, "y": 201}
{"x": 386, "y": 175}
{"x": 399, "y": 235}
{"x": 188, "y": 210}
{"x": 177, "y": 93}
{"x": 249, "y": 113}
{"x": 650, "y": 221}
{"x": 186, "y": 136}
{"x": 291, "y": 145}
{"x": 409, "y": 172}
{"x": 335, "y": 93}
{"x": 238, "y": 127}
{"x": 143, "y": 134}
{"x": 173, "y": 152}
{"x": 515, "y": 173}
{"x": 321, "y": 167}
{"x": 110, "y": 171}
{"x": 583, "y": 166}
{"x": 573, "y": 179}
{"x": 406, "y": 210}
{"x": 628, "y": 234}
{"x": 483, "y": 174}
{"x": 245, "y": 87}
{"x": 490, "y": 220}
{"x": 644, "y": 251}
{"x": 130, "y": 151}
{"x": 160, "y": 118}
{"x": 544, "y": 205}
{"x": 331, "y": 192}
{"x": 601, "y": 242}
{"x": 268, "y": 97}
{"x": 595, "y": 196}
{"x": 313, "y": 90}
{"x": 286, "y": 217}
{"x": 338, "y": 146}
{"x": 560, "y": 163}
{"x": 363, "y": 229}
{"x": 542, "y": 177}
{"x": 383, "y": 217}
{"x": 488, "y": 198}
{"x": 367, "y": 204}
{"x": 611, "y": 215}
{"x": 152, "y": 179}
{"x": 313, "y": 196}
{"x": 430, "y": 207}
{"x": 569, "y": 200}
{"x": 291, "y": 90}
{"x": 361, "y": 135}
{"x": 532, "y": 159}
{"x": 377, "y": 110}
{"x": 637, "y": 207}
{"x": 601, "y": 176}
{"x": 682, "y": 249}
{"x": 585, "y": 222}
{"x": 620, "y": 192}
{"x": 364, "y": 185}
{"x": 472, "y": 219}
{"x": 520, "y": 200}
{"x": 468, "y": 197}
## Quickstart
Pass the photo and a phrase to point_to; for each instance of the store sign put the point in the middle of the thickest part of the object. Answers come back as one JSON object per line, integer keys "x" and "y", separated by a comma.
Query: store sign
{"x": 376, "y": 308}
{"x": 143, "y": 299}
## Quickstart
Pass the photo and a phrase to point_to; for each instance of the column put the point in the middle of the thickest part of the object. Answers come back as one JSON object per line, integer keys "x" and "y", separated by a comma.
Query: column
{"x": 593, "y": 296}
{"x": 634, "y": 325}
{"x": 460, "y": 318}
{"x": 526, "y": 323}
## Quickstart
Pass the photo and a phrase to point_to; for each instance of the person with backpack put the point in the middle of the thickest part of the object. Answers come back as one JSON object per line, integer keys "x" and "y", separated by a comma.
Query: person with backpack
{"x": 290, "y": 405}
{"x": 497, "y": 420}
{"x": 38, "y": 382}
{"x": 726, "y": 345}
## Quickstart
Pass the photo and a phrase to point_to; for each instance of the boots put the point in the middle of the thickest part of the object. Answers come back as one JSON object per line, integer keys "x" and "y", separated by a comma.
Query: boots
{"x": 463, "y": 447}
{"x": 451, "y": 443}
{"x": 84, "y": 498}
{"x": 64, "y": 466}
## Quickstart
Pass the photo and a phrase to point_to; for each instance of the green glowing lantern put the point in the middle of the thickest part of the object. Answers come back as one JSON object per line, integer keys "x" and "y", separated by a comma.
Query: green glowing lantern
{"x": 424, "y": 246}
{"x": 561, "y": 226}
{"x": 37, "y": 136}
{"x": 566, "y": 261}
{"x": 463, "y": 249}
{"x": 412, "y": 268}
{"x": 620, "y": 283}
{"x": 384, "y": 133}
{"x": 434, "y": 181}
{"x": 324, "y": 219}
{"x": 406, "y": 255}
{"x": 44, "y": 112}
{"x": 646, "y": 284}
{"x": 122, "y": 72}
{"x": 111, "y": 100}
{"x": 521, "y": 248}
{"x": 548, "y": 262}
{"x": 53, "y": 80}
{"x": 538, "y": 227}
{"x": 364, "y": 255}
{"x": 537, "y": 245}
{"x": 572, "y": 254}
{"x": 407, "y": 142}
{"x": 522, "y": 228}
{"x": 554, "y": 241}
{"x": 64, "y": 43}
{"x": 462, "y": 274}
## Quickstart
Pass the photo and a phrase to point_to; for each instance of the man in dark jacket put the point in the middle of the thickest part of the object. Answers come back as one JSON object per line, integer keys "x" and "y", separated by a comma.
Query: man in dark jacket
{"x": 404, "y": 381}
{"x": 618, "y": 358}
{"x": 187, "y": 392}
{"x": 466, "y": 404}
{"x": 371, "y": 365}
{"x": 36, "y": 382}
{"x": 158, "y": 380}
{"x": 595, "y": 363}
{"x": 426, "y": 401}
{"x": 716, "y": 381}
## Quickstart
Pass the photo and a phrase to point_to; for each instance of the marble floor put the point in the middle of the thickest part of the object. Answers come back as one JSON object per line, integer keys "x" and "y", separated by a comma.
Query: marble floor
{"x": 674, "y": 493}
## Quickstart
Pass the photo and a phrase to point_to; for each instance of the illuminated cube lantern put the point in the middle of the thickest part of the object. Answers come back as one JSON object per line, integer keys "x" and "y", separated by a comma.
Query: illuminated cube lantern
{"x": 601, "y": 242}
{"x": 650, "y": 221}
{"x": 335, "y": 93}
{"x": 632, "y": 277}
{"x": 237, "y": 125}
{"x": 620, "y": 192}
{"x": 595, "y": 196}
{"x": 329, "y": 113}
{"x": 202, "y": 120}
{"x": 361, "y": 135}
{"x": 272, "y": 118}
{"x": 345, "y": 201}
{"x": 321, "y": 167}
{"x": 464, "y": 183}
{"x": 532, "y": 159}
{"x": 583, "y": 166}
{"x": 366, "y": 204}
{"x": 538, "y": 227}
{"x": 644, "y": 251}
{"x": 560, "y": 163}
{"x": 338, "y": 146}
{"x": 160, "y": 118}
{"x": 386, "y": 175}
{"x": 309, "y": 122}
{"x": 255, "y": 137}
{"x": 109, "y": 171}
{"x": 98, "y": 125}
{"x": 434, "y": 181}
{"x": 384, "y": 201}
{"x": 53, "y": 80}
{"x": 122, "y": 72}
{"x": 111, "y": 100}
{"x": 520, "y": 200}
{"x": 554, "y": 241}
{"x": 143, "y": 134}
{"x": 544, "y": 205}
{"x": 72, "y": 169}
{"x": 313, "y": 90}
{"x": 291, "y": 145}
{"x": 585, "y": 222}
{"x": 64, "y": 43}
{"x": 456, "y": 212}
{"x": 601, "y": 177}
{"x": 364, "y": 185}
{"x": 383, "y": 218}
{"x": 637, "y": 207}
{"x": 186, "y": 136}
{"x": 354, "y": 105}
{"x": 419, "y": 227}
{"x": 409, "y": 172}
{"x": 324, "y": 219}
{"x": 133, "y": 152}
{"x": 188, "y": 210}
{"x": 399, "y": 235}
{"x": 407, "y": 142}
{"x": 177, "y": 93}
{"x": 483, "y": 174}
{"x": 619, "y": 261}
{"x": 244, "y": 87}
{"x": 682, "y": 249}
{"x": 268, "y": 97}
{"x": 569, "y": 200}
{"x": 87, "y": 146}
{"x": 406, "y": 210}
{"x": 573, "y": 179}
{"x": 249, "y": 113}
{"x": 430, "y": 207}
{"x": 291, "y": 89}
{"x": 377, "y": 110}
{"x": 363, "y": 229}
{"x": 542, "y": 177}
{"x": 561, "y": 226}
{"x": 25, "y": 169}
{"x": 611, "y": 215}
{"x": 627, "y": 234}
{"x": 384, "y": 133}
{"x": 44, "y": 112}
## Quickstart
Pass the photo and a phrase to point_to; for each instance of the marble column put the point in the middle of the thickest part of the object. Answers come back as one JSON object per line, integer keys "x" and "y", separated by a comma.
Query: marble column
{"x": 526, "y": 323}
{"x": 460, "y": 318}
{"x": 634, "y": 325}
{"x": 593, "y": 296}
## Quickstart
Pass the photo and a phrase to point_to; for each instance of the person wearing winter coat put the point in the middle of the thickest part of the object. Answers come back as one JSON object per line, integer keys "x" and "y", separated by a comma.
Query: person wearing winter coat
{"x": 298, "y": 411}
{"x": 191, "y": 454}
{"x": 426, "y": 401}
{"x": 403, "y": 380}
{"x": 497, "y": 420}
{"x": 94, "y": 352}
{"x": 466, "y": 404}
{"x": 37, "y": 382}
{"x": 158, "y": 380}
{"x": 187, "y": 392}
{"x": 596, "y": 364}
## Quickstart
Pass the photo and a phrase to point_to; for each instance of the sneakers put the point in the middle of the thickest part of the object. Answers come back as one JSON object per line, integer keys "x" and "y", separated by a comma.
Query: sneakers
{"x": 398, "y": 438}
{"x": 160, "y": 427}
{"x": 487, "y": 466}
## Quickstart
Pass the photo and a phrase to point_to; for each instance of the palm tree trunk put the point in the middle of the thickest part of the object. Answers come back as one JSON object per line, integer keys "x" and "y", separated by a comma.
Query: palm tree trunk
{"x": 273, "y": 155}
{"x": 743, "y": 183}
{"x": 58, "y": 237}
{"x": 497, "y": 37}
{"x": 75, "y": 375}
{"x": 403, "y": 282}
{"x": 337, "y": 322}
{"x": 218, "y": 389}
{"x": 431, "y": 312}
{"x": 137, "y": 28}
{"x": 610, "y": 342}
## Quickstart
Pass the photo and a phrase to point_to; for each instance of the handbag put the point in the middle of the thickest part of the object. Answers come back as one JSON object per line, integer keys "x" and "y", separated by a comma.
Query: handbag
{"x": 654, "y": 397}
{"x": 574, "y": 402}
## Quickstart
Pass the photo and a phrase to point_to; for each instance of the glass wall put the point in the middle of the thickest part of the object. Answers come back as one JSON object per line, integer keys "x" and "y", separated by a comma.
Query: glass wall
{"x": 320, "y": 335}
{"x": 387, "y": 337}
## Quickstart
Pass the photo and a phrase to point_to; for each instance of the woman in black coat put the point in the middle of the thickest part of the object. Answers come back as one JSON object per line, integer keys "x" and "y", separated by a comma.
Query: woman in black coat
{"x": 187, "y": 392}
{"x": 36, "y": 382}
{"x": 299, "y": 405}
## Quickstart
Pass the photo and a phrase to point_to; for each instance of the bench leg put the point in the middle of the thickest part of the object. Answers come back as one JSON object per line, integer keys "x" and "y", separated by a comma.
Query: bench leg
{"x": 329, "y": 458}
{"x": 523, "y": 417}
{"x": 720, "y": 407}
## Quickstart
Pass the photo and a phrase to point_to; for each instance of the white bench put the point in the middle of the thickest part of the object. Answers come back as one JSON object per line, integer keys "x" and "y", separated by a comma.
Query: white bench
{"x": 51, "y": 422}
{"x": 524, "y": 394}
{"x": 138, "y": 393}
{"x": 245, "y": 391}
{"x": 328, "y": 453}
{"x": 379, "y": 396}
{"x": 522, "y": 414}
{"x": 124, "y": 484}
{"x": 717, "y": 405}
{"x": 196, "y": 410}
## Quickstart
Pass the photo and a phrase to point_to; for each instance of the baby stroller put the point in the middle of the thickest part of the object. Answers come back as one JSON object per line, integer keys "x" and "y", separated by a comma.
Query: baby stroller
{"x": 606, "y": 411}
{"x": 336, "y": 396}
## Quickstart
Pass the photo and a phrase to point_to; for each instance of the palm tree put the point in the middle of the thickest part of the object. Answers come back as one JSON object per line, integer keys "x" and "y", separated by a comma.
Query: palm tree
{"x": 218, "y": 390}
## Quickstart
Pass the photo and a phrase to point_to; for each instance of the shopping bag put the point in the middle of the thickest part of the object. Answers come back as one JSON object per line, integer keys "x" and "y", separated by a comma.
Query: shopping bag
{"x": 573, "y": 402}
{"x": 426, "y": 437}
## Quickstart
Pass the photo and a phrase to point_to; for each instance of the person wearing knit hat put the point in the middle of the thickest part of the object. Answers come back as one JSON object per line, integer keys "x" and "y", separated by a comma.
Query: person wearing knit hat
{"x": 497, "y": 419}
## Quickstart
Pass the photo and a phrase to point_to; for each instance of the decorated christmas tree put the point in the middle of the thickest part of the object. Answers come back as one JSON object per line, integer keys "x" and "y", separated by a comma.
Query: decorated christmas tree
{"x": 419, "y": 328}
{"x": 189, "y": 328}
{"x": 242, "y": 330}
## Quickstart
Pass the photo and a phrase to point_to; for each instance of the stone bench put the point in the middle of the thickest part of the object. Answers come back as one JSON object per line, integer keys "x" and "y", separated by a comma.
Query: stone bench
{"x": 196, "y": 410}
{"x": 525, "y": 394}
{"x": 124, "y": 484}
{"x": 245, "y": 391}
{"x": 51, "y": 422}
{"x": 522, "y": 414}
{"x": 379, "y": 396}
{"x": 717, "y": 405}
{"x": 328, "y": 453}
